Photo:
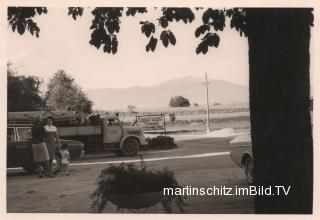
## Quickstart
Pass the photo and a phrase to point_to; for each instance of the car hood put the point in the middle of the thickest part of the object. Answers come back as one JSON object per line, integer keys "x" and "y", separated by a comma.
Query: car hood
{"x": 241, "y": 140}
{"x": 71, "y": 142}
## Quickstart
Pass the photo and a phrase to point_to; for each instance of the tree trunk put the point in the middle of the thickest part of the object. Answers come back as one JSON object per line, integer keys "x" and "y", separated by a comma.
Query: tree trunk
{"x": 279, "y": 106}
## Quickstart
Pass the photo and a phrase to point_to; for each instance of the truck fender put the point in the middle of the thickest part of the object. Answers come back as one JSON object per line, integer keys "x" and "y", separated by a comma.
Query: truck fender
{"x": 129, "y": 136}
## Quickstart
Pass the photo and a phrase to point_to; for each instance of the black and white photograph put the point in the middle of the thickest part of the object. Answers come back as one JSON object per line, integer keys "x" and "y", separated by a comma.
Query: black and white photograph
{"x": 148, "y": 109}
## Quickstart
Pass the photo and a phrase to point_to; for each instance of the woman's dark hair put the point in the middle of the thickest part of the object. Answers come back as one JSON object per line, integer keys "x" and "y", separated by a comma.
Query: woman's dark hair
{"x": 51, "y": 119}
{"x": 38, "y": 120}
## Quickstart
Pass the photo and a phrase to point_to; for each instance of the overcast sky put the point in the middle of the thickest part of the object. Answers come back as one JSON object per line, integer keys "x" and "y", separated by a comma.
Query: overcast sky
{"x": 64, "y": 44}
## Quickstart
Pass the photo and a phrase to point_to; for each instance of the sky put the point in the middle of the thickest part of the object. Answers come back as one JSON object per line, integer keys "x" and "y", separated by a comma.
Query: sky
{"x": 64, "y": 44}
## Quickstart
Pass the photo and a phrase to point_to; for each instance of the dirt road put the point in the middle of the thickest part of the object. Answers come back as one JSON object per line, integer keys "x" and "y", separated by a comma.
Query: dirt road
{"x": 197, "y": 163}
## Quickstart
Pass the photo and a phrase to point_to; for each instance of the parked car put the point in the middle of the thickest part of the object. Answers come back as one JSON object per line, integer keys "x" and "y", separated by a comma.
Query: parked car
{"x": 241, "y": 154}
{"x": 19, "y": 149}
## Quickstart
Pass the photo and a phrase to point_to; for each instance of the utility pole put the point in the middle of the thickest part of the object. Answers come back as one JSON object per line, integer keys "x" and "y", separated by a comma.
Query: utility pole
{"x": 208, "y": 113}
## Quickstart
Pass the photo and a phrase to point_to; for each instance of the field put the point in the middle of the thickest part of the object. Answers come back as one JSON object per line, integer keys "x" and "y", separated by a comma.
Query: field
{"x": 194, "y": 119}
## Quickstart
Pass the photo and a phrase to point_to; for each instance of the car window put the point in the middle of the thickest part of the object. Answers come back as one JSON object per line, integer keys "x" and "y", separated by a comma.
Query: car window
{"x": 24, "y": 134}
{"x": 10, "y": 134}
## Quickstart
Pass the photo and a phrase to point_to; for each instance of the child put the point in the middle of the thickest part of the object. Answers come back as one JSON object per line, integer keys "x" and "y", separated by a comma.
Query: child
{"x": 65, "y": 156}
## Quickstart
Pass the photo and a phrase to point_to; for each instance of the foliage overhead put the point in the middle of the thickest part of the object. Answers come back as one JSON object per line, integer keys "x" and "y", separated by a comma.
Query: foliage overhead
{"x": 147, "y": 28}
{"x": 75, "y": 12}
{"x": 20, "y": 19}
{"x": 238, "y": 20}
{"x": 134, "y": 11}
{"x": 64, "y": 94}
{"x": 106, "y": 24}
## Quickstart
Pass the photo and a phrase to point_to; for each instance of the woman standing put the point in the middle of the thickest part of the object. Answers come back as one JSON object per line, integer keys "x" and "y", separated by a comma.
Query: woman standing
{"x": 52, "y": 140}
{"x": 39, "y": 148}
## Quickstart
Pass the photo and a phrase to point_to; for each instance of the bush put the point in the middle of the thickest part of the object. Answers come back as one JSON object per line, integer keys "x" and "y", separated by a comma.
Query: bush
{"x": 128, "y": 179}
{"x": 161, "y": 142}
{"x": 179, "y": 101}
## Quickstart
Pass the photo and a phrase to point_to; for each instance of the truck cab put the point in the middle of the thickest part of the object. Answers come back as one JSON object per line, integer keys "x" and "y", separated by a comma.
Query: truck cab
{"x": 125, "y": 139}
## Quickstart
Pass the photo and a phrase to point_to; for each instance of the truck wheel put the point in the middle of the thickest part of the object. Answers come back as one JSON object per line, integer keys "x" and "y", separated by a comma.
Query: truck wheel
{"x": 130, "y": 147}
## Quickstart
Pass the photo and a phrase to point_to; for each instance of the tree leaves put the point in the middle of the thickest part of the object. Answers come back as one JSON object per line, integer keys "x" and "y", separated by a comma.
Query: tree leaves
{"x": 23, "y": 92}
{"x": 215, "y": 18}
{"x": 63, "y": 93}
{"x": 152, "y": 44}
{"x": 184, "y": 14}
{"x": 108, "y": 19}
{"x": 207, "y": 15}
{"x": 210, "y": 39}
{"x": 32, "y": 27}
{"x": 20, "y": 19}
{"x": 238, "y": 20}
{"x": 21, "y": 27}
{"x": 105, "y": 25}
{"x": 147, "y": 28}
{"x": 41, "y": 10}
{"x": 107, "y": 46}
{"x": 166, "y": 37}
{"x": 114, "y": 45}
{"x": 75, "y": 12}
{"x": 163, "y": 22}
{"x": 112, "y": 26}
{"x": 172, "y": 38}
{"x": 98, "y": 37}
{"x": 133, "y": 11}
{"x": 202, "y": 29}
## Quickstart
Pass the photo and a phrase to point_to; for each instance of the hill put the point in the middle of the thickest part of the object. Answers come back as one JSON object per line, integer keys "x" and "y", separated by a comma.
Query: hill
{"x": 159, "y": 95}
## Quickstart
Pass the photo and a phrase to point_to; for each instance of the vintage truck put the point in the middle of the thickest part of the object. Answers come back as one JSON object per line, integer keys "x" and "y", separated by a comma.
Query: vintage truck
{"x": 107, "y": 134}
{"x": 97, "y": 133}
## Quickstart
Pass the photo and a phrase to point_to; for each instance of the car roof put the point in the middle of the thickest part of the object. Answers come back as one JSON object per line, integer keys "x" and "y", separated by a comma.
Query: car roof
{"x": 19, "y": 125}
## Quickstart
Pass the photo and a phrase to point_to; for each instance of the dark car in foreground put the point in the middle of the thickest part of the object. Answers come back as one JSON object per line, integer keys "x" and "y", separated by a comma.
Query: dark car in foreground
{"x": 241, "y": 155}
{"x": 19, "y": 148}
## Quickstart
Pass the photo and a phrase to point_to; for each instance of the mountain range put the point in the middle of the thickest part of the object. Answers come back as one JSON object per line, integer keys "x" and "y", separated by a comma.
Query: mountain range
{"x": 192, "y": 88}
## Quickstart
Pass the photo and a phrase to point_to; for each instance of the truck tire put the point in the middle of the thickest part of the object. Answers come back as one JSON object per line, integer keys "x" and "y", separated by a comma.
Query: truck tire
{"x": 130, "y": 147}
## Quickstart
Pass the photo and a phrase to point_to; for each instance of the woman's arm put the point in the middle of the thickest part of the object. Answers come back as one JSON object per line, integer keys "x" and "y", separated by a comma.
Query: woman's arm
{"x": 43, "y": 132}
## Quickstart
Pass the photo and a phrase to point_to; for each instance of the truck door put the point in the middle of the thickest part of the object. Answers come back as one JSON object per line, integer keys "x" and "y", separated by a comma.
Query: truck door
{"x": 112, "y": 131}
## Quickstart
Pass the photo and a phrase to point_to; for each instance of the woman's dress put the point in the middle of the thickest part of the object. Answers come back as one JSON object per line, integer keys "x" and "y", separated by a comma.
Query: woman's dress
{"x": 39, "y": 148}
{"x": 51, "y": 140}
